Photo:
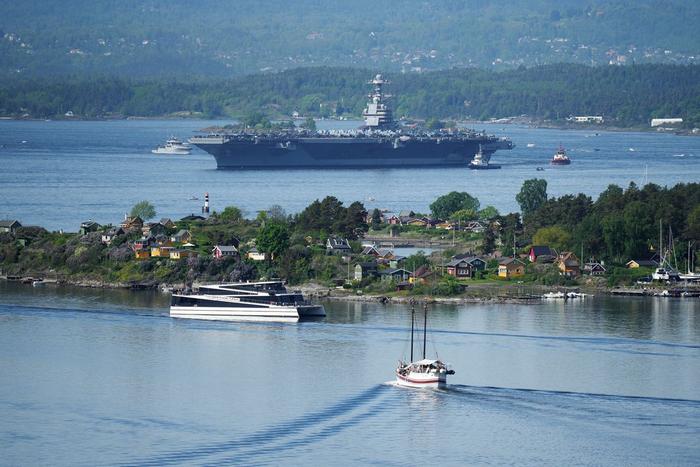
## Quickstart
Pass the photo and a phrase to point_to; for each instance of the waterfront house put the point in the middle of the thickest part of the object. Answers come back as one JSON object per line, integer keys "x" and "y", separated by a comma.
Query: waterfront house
{"x": 109, "y": 235}
{"x": 160, "y": 251}
{"x": 337, "y": 246}
{"x": 447, "y": 225}
{"x": 396, "y": 261}
{"x": 142, "y": 254}
{"x": 131, "y": 223}
{"x": 178, "y": 254}
{"x": 371, "y": 250}
{"x": 224, "y": 251}
{"x": 569, "y": 264}
{"x": 88, "y": 227}
{"x": 153, "y": 228}
{"x": 475, "y": 227}
{"x": 167, "y": 223}
{"x": 393, "y": 220}
{"x": 144, "y": 243}
{"x": 254, "y": 255}
{"x": 422, "y": 275}
{"x": 510, "y": 267}
{"x": 396, "y": 275}
{"x": 182, "y": 236}
{"x": 541, "y": 254}
{"x": 418, "y": 222}
{"x": 364, "y": 270}
{"x": 594, "y": 269}
{"x": 641, "y": 263}
{"x": 10, "y": 226}
{"x": 465, "y": 267}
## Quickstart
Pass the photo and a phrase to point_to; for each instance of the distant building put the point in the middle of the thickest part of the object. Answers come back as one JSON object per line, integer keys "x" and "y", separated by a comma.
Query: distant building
{"x": 541, "y": 254}
{"x": 594, "y": 269}
{"x": 111, "y": 234}
{"x": 396, "y": 275}
{"x": 568, "y": 264}
{"x": 224, "y": 251}
{"x": 10, "y": 226}
{"x": 177, "y": 254}
{"x": 337, "y": 246}
{"x": 182, "y": 236}
{"x": 254, "y": 255}
{"x": 132, "y": 223}
{"x": 465, "y": 267}
{"x": 665, "y": 121}
{"x": 586, "y": 119}
{"x": 89, "y": 226}
{"x": 510, "y": 267}
{"x": 641, "y": 263}
{"x": 364, "y": 270}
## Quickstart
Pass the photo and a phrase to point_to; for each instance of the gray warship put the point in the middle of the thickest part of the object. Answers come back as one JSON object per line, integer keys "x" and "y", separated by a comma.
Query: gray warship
{"x": 379, "y": 143}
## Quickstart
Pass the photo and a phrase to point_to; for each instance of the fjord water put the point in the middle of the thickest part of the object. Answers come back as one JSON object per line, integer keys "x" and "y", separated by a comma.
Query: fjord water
{"x": 105, "y": 377}
{"x": 57, "y": 174}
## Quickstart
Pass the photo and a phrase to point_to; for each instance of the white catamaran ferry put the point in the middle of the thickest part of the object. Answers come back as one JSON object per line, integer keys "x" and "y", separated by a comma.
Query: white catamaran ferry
{"x": 424, "y": 373}
{"x": 244, "y": 301}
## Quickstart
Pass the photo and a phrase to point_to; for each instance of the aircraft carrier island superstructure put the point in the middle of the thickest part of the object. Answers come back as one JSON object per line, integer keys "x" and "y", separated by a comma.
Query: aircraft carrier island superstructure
{"x": 380, "y": 143}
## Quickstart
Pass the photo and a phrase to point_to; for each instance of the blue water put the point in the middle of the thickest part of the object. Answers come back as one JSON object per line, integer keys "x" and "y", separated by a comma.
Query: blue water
{"x": 106, "y": 378}
{"x": 67, "y": 172}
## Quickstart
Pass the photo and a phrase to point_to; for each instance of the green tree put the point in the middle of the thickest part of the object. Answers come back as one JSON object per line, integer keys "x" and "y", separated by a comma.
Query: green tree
{"x": 464, "y": 215}
{"x": 376, "y": 219}
{"x": 692, "y": 230}
{"x": 555, "y": 237}
{"x": 446, "y": 205}
{"x": 231, "y": 214}
{"x": 532, "y": 195}
{"x": 144, "y": 210}
{"x": 488, "y": 213}
{"x": 273, "y": 240}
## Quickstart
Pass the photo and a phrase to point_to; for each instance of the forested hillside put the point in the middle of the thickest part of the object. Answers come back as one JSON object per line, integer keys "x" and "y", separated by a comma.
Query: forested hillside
{"x": 166, "y": 38}
{"x": 623, "y": 95}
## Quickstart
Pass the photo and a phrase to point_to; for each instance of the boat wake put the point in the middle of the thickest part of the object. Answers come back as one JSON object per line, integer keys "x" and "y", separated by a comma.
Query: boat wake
{"x": 295, "y": 433}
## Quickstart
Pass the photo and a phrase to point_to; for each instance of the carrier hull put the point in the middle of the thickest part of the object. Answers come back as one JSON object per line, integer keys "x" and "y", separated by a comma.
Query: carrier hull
{"x": 338, "y": 153}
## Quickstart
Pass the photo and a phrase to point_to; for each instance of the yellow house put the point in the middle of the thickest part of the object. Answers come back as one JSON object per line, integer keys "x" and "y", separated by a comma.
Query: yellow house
{"x": 510, "y": 267}
{"x": 142, "y": 254}
{"x": 179, "y": 254}
{"x": 161, "y": 251}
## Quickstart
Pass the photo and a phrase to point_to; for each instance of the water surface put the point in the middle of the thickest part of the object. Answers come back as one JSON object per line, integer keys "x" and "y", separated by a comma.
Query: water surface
{"x": 105, "y": 377}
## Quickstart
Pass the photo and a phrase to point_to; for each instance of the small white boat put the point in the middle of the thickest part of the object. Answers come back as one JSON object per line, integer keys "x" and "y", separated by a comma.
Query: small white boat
{"x": 530, "y": 145}
{"x": 173, "y": 146}
{"x": 424, "y": 373}
{"x": 554, "y": 295}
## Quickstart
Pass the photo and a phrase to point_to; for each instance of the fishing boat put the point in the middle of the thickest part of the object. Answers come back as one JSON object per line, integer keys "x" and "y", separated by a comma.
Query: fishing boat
{"x": 424, "y": 373}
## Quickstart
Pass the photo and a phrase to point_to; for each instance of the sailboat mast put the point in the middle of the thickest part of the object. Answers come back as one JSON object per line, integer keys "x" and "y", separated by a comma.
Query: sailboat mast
{"x": 413, "y": 313}
{"x": 425, "y": 328}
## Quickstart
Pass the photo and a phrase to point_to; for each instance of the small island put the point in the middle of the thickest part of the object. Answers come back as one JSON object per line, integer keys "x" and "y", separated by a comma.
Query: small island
{"x": 469, "y": 251}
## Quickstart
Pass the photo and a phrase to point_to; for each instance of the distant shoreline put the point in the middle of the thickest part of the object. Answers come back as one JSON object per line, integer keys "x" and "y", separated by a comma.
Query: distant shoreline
{"x": 535, "y": 124}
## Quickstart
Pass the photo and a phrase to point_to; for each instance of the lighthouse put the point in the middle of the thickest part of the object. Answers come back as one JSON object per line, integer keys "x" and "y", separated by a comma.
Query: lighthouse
{"x": 205, "y": 208}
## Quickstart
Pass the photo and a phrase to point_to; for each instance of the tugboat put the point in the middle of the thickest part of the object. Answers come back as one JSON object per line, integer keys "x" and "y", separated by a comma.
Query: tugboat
{"x": 560, "y": 158}
{"x": 480, "y": 162}
{"x": 423, "y": 373}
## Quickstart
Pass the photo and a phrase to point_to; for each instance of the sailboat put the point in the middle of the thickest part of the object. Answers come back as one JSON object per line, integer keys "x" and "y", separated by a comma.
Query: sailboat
{"x": 665, "y": 272}
{"x": 424, "y": 373}
{"x": 690, "y": 275}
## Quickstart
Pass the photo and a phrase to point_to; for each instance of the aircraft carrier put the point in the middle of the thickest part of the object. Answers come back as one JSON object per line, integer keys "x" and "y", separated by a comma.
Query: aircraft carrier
{"x": 379, "y": 143}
